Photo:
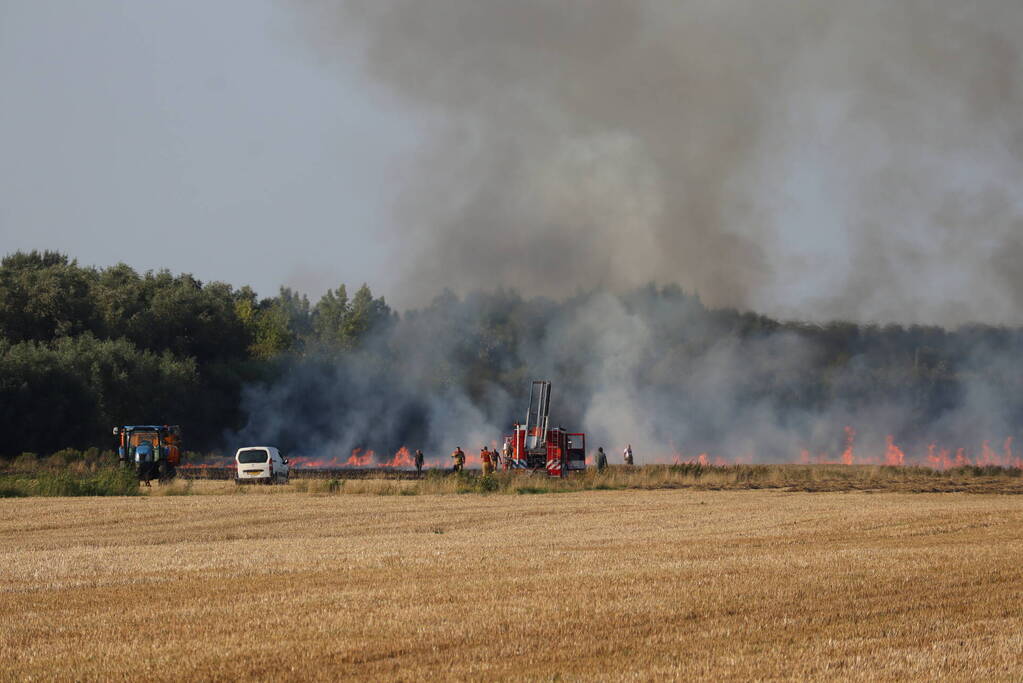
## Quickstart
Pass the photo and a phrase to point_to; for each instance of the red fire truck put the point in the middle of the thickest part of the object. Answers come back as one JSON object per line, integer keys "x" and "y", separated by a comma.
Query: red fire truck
{"x": 536, "y": 445}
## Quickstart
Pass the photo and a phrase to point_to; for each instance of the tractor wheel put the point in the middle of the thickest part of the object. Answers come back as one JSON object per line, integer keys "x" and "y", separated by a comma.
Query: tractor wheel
{"x": 167, "y": 472}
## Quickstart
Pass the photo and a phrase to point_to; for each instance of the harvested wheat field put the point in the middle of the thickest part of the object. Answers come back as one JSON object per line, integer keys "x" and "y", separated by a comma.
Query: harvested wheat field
{"x": 590, "y": 585}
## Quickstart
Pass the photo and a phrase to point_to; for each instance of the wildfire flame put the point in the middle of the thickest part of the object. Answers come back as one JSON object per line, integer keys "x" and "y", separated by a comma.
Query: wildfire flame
{"x": 360, "y": 458}
{"x": 847, "y": 454}
{"x": 403, "y": 458}
{"x": 893, "y": 454}
{"x": 936, "y": 456}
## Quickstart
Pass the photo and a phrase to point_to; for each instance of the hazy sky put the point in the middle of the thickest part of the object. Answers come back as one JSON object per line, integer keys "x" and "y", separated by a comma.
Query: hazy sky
{"x": 806, "y": 159}
{"x": 194, "y": 135}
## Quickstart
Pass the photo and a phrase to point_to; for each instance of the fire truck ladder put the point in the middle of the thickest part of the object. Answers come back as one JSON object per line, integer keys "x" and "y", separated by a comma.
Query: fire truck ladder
{"x": 539, "y": 414}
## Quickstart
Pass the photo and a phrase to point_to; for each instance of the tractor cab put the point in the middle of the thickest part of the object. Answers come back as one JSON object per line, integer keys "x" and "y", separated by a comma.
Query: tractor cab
{"x": 153, "y": 450}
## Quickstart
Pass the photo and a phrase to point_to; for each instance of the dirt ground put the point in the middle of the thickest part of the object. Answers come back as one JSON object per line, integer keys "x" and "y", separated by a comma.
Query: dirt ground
{"x": 592, "y": 585}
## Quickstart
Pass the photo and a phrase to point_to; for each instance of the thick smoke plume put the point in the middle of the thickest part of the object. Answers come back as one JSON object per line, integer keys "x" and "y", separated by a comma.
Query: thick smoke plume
{"x": 654, "y": 368}
{"x": 820, "y": 160}
{"x": 809, "y": 160}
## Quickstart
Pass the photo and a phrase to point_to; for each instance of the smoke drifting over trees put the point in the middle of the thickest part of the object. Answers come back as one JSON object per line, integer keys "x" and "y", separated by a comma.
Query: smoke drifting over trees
{"x": 83, "y": 349}
{"x": 804, "y": 159}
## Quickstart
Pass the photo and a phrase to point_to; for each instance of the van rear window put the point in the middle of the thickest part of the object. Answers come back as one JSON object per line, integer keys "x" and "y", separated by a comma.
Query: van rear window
{"x": 252, "y": 455}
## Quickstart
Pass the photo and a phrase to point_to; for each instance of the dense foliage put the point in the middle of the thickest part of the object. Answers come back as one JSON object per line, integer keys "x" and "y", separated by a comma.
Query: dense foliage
{"x": 83, "y": 349}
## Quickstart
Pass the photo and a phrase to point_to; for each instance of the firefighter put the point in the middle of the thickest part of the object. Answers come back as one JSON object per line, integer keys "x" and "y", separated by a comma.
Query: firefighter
{"x": 485, "y": 460}
{"x": 458, "y": 458}
{"x": 628, "y": 454}
{"x": 601, "y": 460}
{"x": 507, "y": 453}
{"x": 496, "y": 455}
{"x": 419, "y": 463}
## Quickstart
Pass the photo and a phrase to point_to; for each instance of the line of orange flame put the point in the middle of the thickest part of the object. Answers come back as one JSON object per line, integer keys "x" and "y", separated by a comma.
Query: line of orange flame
{"x": 936, "y": 457}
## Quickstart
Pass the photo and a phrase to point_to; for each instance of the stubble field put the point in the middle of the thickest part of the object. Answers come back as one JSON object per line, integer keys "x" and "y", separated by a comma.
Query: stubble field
{"x": 589, "y": 585}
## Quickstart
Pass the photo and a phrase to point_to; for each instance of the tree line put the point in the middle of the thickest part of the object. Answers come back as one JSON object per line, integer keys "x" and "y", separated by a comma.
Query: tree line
{"x": 85, "y": 348}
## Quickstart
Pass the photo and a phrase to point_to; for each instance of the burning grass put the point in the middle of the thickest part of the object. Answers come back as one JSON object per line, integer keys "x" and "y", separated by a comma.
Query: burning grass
{"x": 604, "y": 585}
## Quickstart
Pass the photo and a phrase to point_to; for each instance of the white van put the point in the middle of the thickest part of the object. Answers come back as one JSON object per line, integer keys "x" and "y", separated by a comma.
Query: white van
{"x": 261, "y": 465}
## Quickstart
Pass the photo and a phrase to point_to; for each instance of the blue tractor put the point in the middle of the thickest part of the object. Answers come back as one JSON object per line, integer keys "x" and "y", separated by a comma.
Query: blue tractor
{"x": 153, "y": 450}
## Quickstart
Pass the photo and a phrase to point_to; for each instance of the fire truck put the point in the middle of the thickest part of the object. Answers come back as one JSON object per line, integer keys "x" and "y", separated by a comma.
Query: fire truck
{"x": 536, "y": 445}
{"x": 154, "y": 450}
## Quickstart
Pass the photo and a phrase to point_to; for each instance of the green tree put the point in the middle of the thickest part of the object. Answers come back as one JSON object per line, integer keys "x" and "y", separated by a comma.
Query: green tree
{"x": 329, "y": 317}
{"x": 72, "y": 391}
{"x": 365, "y": 315}
{"x": 298, "y": 313}
{"x": 44, "y": 296}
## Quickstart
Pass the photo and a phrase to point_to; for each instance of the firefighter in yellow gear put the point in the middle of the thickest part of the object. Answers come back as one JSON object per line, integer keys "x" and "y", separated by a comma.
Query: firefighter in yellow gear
{"x": 458, "y": 459}
{"x": 487, "y": 461}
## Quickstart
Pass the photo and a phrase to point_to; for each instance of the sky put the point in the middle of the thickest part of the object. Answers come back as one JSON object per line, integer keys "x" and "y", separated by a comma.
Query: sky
{"x": 197, "y": 136}
{"x": 805, "y": 159}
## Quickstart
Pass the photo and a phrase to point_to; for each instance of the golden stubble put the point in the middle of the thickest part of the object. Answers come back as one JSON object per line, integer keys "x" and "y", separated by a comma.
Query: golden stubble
{"x": 593, "y": 585}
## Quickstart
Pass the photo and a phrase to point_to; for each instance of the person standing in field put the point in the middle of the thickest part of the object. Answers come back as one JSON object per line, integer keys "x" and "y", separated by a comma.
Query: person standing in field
{"x": 601, "y": 460}
{"x": 628, "y": 454}
{"x": 507, "y": 453}
{"x": 486, "y": 462}
{"x": 419, "y": 463}
{"x": 496, "y": 455}
{"x": 458, "y": 458}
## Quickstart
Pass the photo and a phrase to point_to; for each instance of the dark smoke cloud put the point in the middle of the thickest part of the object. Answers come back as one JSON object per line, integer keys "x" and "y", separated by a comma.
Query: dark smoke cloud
{"x": 807, "y": 159}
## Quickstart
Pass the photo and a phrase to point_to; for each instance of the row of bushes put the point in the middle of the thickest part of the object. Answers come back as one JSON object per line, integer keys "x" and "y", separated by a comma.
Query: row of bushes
{"x": 106, "y": 481}
{"x": 69, "y": 472}
{"x": 88, "y": 460}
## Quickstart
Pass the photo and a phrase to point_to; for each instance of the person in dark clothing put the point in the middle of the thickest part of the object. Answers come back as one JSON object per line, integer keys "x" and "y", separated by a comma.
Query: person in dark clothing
{"x": 601, "y": 460}
{"x": 419, "y": 463}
